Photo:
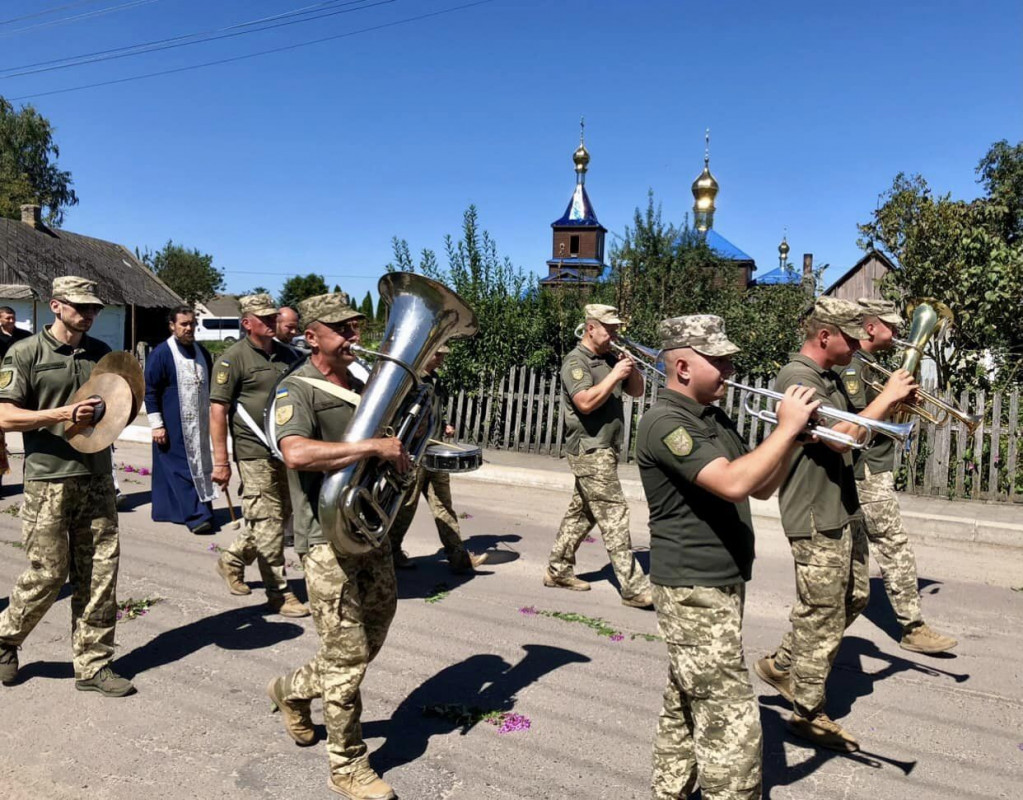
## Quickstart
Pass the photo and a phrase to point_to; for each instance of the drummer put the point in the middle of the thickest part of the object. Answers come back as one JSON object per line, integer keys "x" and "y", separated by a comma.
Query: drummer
{"x": 436, "y": 487}
{"x": 69, "y": 515}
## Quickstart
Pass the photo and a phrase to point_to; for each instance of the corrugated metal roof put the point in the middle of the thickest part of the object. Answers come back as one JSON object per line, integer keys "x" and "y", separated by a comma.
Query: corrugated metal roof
{"x": 724, "y": 248}
{"x": 779, "y": 275}
{"x": 579, "y": 212}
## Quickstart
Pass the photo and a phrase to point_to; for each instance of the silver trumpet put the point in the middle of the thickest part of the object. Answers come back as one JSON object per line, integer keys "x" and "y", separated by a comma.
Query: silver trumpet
{"x": 866, "y": 427}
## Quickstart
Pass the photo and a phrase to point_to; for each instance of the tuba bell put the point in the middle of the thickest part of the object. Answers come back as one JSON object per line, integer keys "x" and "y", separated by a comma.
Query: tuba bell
{"x": 358, "y": 504}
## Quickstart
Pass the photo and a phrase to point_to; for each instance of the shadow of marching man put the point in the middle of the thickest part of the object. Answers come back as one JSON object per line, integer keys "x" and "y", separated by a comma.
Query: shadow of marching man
{"x": 409, "y": 729}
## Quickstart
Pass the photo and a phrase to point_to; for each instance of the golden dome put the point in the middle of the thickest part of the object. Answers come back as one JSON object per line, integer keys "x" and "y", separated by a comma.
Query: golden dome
{"x": 705, "y": 190}
{"x": 581, "y": 157}
{"x": 783, "y": 249}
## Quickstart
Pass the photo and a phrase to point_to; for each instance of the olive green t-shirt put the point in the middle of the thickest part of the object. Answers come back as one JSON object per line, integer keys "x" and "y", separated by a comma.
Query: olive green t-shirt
{"x": 879, "y": 455}
{"x": 302, "y": 409}
{"x": 603, "y": 426}
{"x": 245, "y": 375}
{"x": 40, "y": 373}
{"x": 820, "y": 489}
{"x": 696, "y": 537}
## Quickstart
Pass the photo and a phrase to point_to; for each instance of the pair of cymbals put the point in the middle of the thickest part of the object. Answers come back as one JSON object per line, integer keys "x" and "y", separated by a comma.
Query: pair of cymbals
{"x": 118, "y": 382}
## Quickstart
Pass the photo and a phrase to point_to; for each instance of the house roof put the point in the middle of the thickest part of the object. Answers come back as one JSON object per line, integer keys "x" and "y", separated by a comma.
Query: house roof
{"x": 724, "y": 248}
{"x": 580, "y": 211}
{"x": 778, "y": 275}
{"x": 877, "y": 254}
{"x": 223, "y": 305}
{"x": 568, "y": 275}
{"x": 33, "y": 257}
{"x": 16, "y": 291}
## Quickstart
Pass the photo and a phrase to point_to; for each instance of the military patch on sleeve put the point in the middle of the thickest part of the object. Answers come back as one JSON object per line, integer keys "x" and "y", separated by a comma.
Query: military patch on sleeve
{"x": 851, "y": 381}
{"x": 282, "y": 414}
{"x": 679, "y": 442}
{"x": 282, "y": 392}
{"x": 577, "y": 373}
{"x": 225, "y": 363}
{"x": 221, "y": 377}
{"x": 6, "y": 376}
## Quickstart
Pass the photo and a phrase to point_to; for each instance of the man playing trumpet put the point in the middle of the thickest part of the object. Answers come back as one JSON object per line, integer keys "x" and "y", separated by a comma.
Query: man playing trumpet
{"x": 821, "y": 516}
{"x": 875, "y": 484}
{"x": 593, "y": 380}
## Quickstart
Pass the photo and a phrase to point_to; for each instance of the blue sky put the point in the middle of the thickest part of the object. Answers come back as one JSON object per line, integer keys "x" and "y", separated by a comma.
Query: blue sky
{"x": 310, "y": 160}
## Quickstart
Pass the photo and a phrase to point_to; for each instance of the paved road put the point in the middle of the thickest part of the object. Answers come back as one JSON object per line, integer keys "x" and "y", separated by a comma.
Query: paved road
{"x": 200, "y": 725}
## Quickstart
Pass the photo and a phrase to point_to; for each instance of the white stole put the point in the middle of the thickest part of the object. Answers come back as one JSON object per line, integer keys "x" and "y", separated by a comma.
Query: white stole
{"x": 194, "y": 406}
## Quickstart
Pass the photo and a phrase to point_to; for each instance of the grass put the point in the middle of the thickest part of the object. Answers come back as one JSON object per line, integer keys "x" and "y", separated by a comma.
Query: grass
{"x": 599, "y": 626}
{"x": 132, "y": 608}
{"x": 438, "y": 593}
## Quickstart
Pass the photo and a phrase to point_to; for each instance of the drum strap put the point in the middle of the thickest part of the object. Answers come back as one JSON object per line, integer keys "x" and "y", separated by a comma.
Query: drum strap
{"x": 333, "y": 389}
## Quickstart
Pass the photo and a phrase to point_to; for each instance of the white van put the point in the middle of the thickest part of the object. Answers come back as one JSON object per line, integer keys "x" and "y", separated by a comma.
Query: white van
{"x": 218, "y": 329}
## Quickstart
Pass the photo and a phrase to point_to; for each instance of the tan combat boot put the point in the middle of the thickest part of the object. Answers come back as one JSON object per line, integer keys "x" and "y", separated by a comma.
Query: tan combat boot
{"x": 294, "y": 715}
{"x": 462, "y": 561}
{"x": 924, "y": 639}
{"x": 361, "y": 784}
{"x": 233, "y": 575}
{"x": 823, "y": 731}
{"x": 641, "y": 600}
{"x": 571, "y": 582}
{"x": 287, "y": 605}
{"x": 107, "y": 682}
{"x": 8, "y": 664}
{"x": 779, "y": 679}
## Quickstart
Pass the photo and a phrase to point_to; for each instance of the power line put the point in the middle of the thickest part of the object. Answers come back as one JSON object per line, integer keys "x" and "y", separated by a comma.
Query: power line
{"x": 87, "y": 15}
{"x": 53, "y": 10}
{"x": 285, "y": 48}
{"x": 181, "y": 41}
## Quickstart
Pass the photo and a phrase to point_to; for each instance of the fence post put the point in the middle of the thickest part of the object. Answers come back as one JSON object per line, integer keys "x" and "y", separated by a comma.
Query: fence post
{"x": 527, "y": 434}
{"x": 509, "y": 407}
{"x": 978, "y": 449}
{"x": 996, "y": 439}
{"x": 548, "y": 433}
{"x": 1013, "y": 433}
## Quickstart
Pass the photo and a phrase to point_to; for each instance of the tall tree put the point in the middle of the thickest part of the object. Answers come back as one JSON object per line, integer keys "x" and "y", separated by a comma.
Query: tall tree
{"x": 190, "y": 273}
{"x": 28, "y": 165}
{"x": 367, "y": 306}
{"x": 967, "y": 254}
{"x": 298, "y": 287}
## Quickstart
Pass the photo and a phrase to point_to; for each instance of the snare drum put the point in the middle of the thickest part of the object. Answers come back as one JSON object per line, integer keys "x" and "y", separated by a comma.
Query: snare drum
{"x": 449, "y": 458}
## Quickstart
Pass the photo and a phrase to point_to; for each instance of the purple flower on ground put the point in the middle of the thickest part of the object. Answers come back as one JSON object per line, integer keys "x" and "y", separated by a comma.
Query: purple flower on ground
{"x": 120, "y": 614}
{"x": 529, "y": 611}
{"x": 617, "y": 637}
{"x": 129, "y": 468}
{"x": 144, "y": 471}
{"x": 589, "y": 540}
{"x": 1020, "y": 745}
{"x": 514, "y": 722}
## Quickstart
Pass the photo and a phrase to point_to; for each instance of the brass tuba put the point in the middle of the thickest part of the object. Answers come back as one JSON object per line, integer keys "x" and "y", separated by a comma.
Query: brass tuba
{"x": 358, "y": 504}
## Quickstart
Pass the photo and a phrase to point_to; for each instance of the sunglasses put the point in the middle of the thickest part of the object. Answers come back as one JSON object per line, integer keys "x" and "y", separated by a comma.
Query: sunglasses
{"x": 346, "y": 329}
{"x": 82, "y": 308}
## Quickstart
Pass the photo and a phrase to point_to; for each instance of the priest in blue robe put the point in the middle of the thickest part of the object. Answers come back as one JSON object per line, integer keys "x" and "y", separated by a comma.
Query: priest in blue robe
{"x": 178, "y": 407}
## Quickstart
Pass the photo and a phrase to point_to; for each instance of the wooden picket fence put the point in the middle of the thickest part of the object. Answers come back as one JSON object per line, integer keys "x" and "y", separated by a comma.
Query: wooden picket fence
{"x": 522, "y": 411}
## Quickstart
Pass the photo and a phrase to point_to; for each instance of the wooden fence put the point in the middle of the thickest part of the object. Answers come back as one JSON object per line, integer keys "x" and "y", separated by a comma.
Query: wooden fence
{"x": 522, "y": 411}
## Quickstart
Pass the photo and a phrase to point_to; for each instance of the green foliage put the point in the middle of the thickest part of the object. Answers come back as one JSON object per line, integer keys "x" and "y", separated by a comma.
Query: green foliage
{"x": 28, "y": 168}
{"x": 438, "y": 593}
{"x": 967, "y": 254}
{"x": 188, "y": 272}
{"x": 366, "y": 307}
{"x": 298, "y": 287}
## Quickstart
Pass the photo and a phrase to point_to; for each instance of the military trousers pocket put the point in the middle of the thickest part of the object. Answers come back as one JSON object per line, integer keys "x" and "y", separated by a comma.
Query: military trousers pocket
{"x": 827, "y": 548}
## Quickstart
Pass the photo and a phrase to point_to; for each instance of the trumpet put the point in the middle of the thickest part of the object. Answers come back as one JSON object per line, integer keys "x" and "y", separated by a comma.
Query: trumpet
{"x": 900, "y": 432}
{"x": 645, "y": 358}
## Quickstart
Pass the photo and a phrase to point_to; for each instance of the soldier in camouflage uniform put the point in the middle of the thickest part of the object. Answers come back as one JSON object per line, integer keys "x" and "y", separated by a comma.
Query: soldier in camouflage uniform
{"x": 821, "y": 517}
{"x": 353, "y": 597}
{"x": 436, "y": 487}
{"x": 875, "y": 484}
{"x": 592, "y": 381}
{"x": 698, "y": 475}
{"x": 243, "y": 378}
{"x": 69, "y": 515}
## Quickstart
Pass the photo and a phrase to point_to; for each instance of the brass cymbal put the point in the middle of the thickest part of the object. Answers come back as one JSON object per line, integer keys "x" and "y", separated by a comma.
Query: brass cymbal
{"x": 123, "y": 363}
{"x": 96, "y": 435}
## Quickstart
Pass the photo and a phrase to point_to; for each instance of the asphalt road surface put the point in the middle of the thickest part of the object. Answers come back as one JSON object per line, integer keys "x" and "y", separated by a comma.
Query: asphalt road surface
{"x": 200, "y": 725}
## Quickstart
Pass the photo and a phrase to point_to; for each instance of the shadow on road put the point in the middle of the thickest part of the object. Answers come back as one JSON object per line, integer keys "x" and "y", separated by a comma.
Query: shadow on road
{"x": 129, "y": 502}
{"x": 606, "y": 573}
{"x": 879, "y": 609}
{"x": 238, "y": 629}
{"x": 483, "y": 681}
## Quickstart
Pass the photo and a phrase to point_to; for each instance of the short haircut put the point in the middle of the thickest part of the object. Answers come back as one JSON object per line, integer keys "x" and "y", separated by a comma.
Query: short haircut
{"x": 172, "y": 315}
{"x": 7, "y": 310}
{"x": 812, "y": 326}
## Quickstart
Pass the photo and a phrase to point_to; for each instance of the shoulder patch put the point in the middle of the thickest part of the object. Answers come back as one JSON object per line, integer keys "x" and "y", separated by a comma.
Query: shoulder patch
{"x": 679, "y": 442}
{"x": 6, "y": 376}
{"x": 852, "y": 384}
{"x": 225, "y": 363}
{"x": 577, "y": 373}
{"x": 282, "y": 392}
{"x": 282, "y": 414}
{"x": 221, "y": 377}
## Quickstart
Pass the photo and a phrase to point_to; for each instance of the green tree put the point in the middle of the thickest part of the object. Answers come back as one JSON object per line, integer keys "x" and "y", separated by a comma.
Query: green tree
{"x": 28, "y": 168}
{"x": 298, "y": 287}
{"x": 188, "y": 272}
{"x": 367, "y": 306}
{"x": 968, "y": 255}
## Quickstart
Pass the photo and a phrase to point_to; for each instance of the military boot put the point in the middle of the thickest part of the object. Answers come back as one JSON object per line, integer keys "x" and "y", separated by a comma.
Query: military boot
{"x": 107, "y": 682}
{"x": 233, "y": 575}
{"x": 570, "y": 582}
{"x": 294, "y": 715}
{"x": 402, "y": 561}
{"x": 823, "y": 731}
{"x": 923, "y": 638}
{"x": 8, "y": 664}
{"x": 780, "y": 680}
{"x": 462, "y": 561}
{"x": 287, "y": 605}
{"x": 361, "y": 784}
{"x": 641, "y": 600}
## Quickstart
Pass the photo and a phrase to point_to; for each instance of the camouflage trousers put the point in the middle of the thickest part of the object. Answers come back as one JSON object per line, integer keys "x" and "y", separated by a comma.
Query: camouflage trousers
{"x": 832, "y": 589}
{"x": 436, "y": 487}
{"x": 266, "y": 504}
{"x": 889, "y": 543}
{"x": 353, "y": 600}
{"x": 709, "y": 728}
{"x": 69, "y": 530}
{"x": 598, "y": 500}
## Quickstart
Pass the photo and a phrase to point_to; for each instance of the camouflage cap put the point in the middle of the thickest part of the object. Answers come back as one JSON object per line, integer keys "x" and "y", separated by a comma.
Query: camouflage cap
{"x": 704, "y": 333}
{"x": 327, "y": 308}
{"x": 606, "y": 315}
{"x": 846, "y": 315}
{"x": 884, "y": 310}
{"x": 260, "y": 305}
{"x": 75, "y": 290}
